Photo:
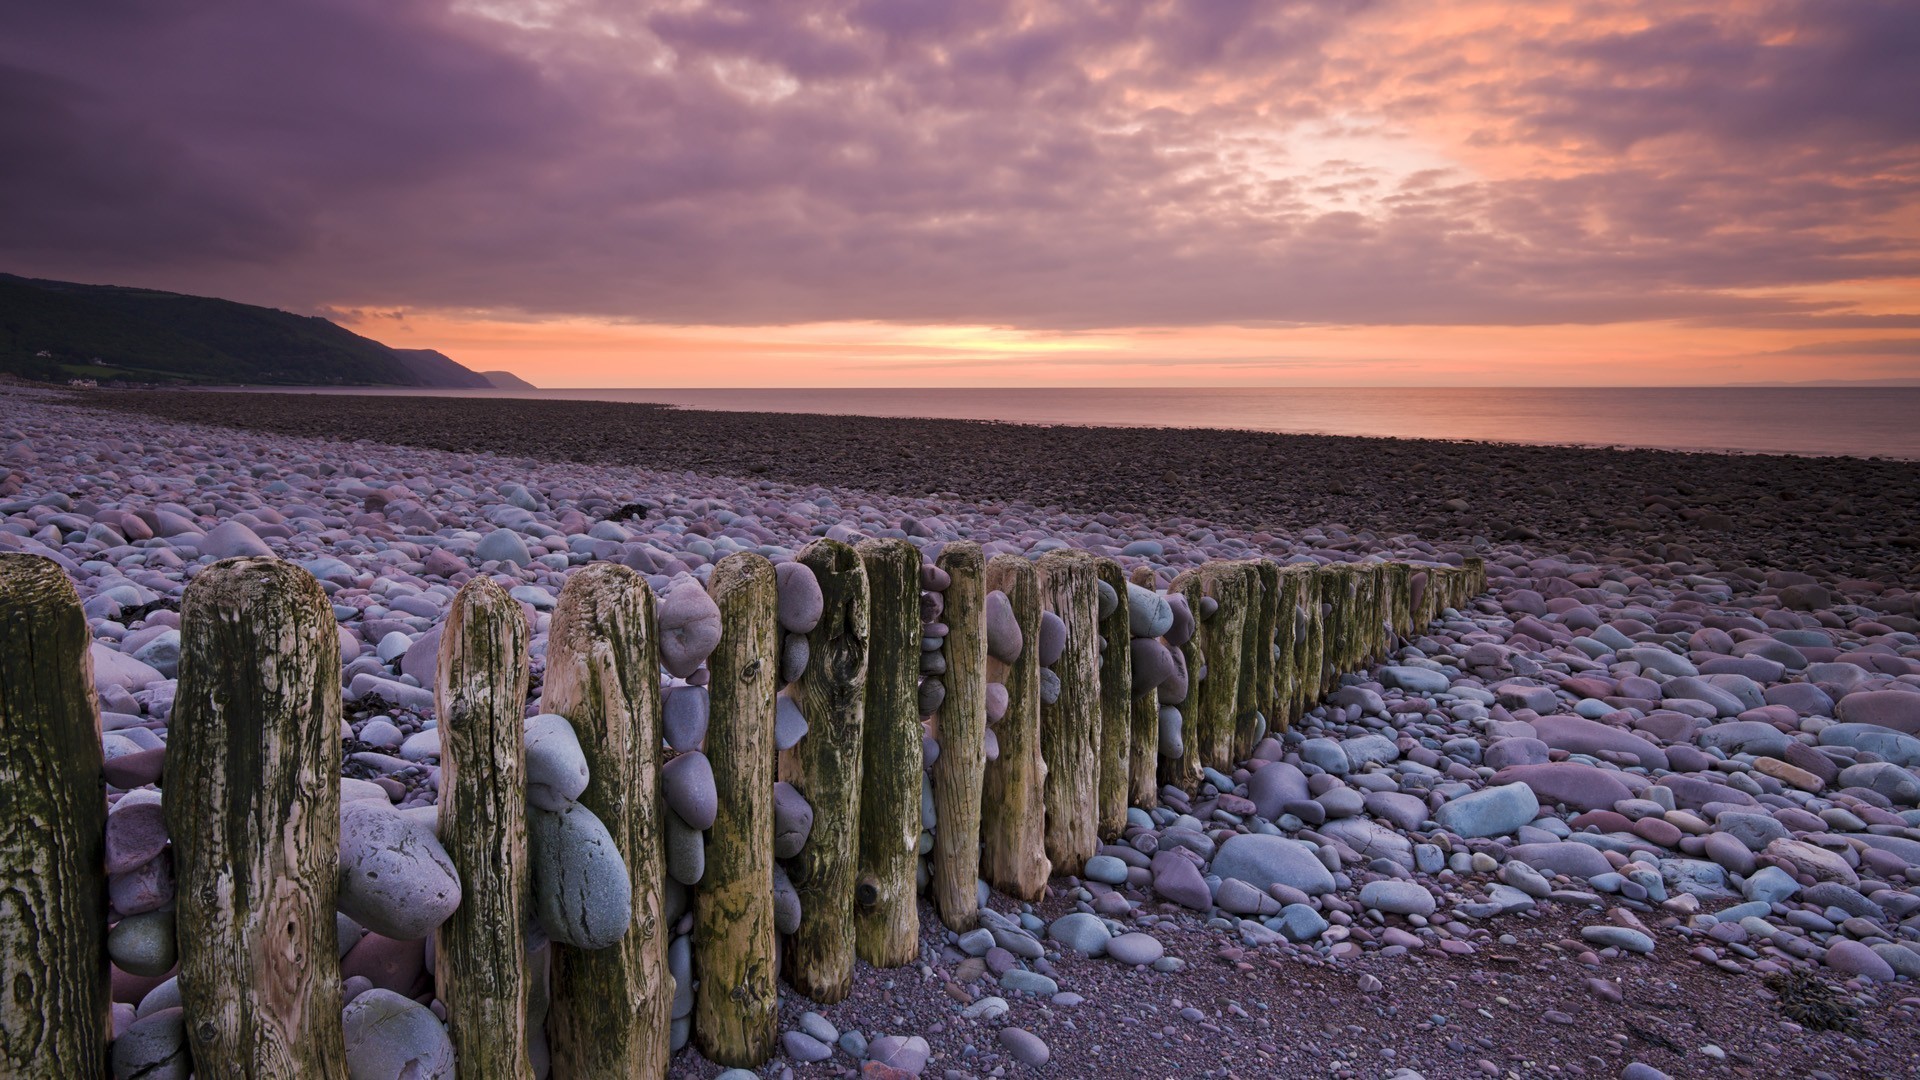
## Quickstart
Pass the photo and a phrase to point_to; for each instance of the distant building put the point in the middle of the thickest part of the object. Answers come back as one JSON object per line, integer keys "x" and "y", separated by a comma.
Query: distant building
{"x": 43, "y": 355}
{"x": 83, "y": 384}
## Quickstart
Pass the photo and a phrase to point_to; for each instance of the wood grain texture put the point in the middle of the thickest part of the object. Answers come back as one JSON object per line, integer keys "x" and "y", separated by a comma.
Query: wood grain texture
{"x": 1116, "y": 705}
{"x": 1265, "y": 647}
{"x": 1013, "y": 855}
{"x": 1246, "y": 700}
{"x": 1289, "y": 642}
{"x": 1070, "y": 727}
{"x": 253, "y": 808}
{"x": 610, "y": 1008}
{"x": 825, "y": 768}
{"x": 480, "y": 969}
{"x": 53, "y": 882}
{"x": 1221, "y": 644}
{"x": 886, "y": 897}
{"x": 737, "y": 1002}
{"x": 1143, "y": 789}
{"x": 959, "y": 725}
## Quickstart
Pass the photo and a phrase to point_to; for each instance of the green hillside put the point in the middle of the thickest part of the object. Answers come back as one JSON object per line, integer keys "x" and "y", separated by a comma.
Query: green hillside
{"x": 60, "y": 330}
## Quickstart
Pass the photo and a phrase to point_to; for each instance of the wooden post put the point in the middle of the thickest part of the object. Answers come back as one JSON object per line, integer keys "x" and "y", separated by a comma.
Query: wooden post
{"x": 1013, "y": 808}
{"x": 1070, "y": 727}
{"x": 1183, "y": 772}
{"x": 1313, "y": 653}
{"x": 736, "y": 1007}
{"x": 1336, "y": 595}
{"x": 825, "y": 768}
{"x": 1247, "y": 701}
{"x": 1399, "y": 582}
{"x": 610, "y": 1008}
{"x": 1116, "y": 705}
{"x": 253, "y": 808}
{"x": 886, "y": 901}
{"x": 1266, "y": 650}
{"x": 1288, "y": 624}
{"x": 959, "y": 725}
{"x": 1221, "y": 650}
{"x": 479, "y": 952}
{"x": 53, "y": 881}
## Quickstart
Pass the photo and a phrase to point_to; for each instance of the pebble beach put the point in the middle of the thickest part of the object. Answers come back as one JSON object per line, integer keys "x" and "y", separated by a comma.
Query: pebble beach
{"x": 1650, "y": 806}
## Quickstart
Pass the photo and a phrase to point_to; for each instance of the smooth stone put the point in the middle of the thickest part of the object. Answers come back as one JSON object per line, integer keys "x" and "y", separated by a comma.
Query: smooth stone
{"x": 1491, "y": 811}
{"x": 1562, "y": 857}
{"x": 1415, "y": 680}
{"x": 390, "y": 1037}
{"x": 790, "y": 724}
{"x": 689, "y": 626}
{"x": 1855, "y": 958}
{"x": 153, "y": 1047}
{"x": 1053, "y": 639}
{"x": 1582, "y": 787}
{"x": 1898, "y": 710}
{"x": 503, "y": 545}
{"x": 1004, "y": 640}
{"x": 685, "y": 717}
{"x": 556, "y": 766}
{"x": 792, "y": 820}
{"x": 688, "y": 783}
{"x": 1397, "y": 897}
{"x": 1263, "y": 861}
{"x": 786, "y": 902}
{"x": 1624, "y": 938}
{"x": 143, "y": 944}
{"x": 582, "y": 892}
{"x": 395, "y": 878}
{"x": 232, "y": 540}
{"x": 1148, "y": 613}
{"x": 1135, "y": 949}
{"x": 1080, "y": 932}
{"x": 799, "y": 600}
{"x": 1105, "y": 869}
{"x": 1026, "y": 1047}
{"x": 1273, "y": 786}
{"x": 686, "y": 851}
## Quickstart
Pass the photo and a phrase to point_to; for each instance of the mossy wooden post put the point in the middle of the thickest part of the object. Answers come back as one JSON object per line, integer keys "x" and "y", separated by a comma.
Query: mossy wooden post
{"x": 253, "y": 807}
{"x": 1288, "y": 627}
{"x": 1399, "y": 577}
{"x": 1313, "y": 641}
{"x": 959, "y": 725}
{"x": 611, "y": 1008}
{"x": 1116, "y": 705}
{"x": 1336, "y": 603}
{"x": 1070, "y": 727}
{"x": 480, "y": 971}
{"x": 1013, "y": 806}
{"x": 1248, "y": 703}
{"x": 1266, "y": 649}
{"x": 1221, "y": 649}
{"x": 1476, "y": 583}
{"x": 825, "y": 768}
{"x": 1183, "y": 772}
{"x": 1143, "y": 788}
{"x": 53, "y": 881}
{"x": 886, "y": 901}
{"x": 736, "y": 1007}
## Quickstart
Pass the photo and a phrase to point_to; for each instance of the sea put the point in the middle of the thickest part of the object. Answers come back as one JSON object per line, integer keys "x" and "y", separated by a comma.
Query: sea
{"x": 1811, "y": 421}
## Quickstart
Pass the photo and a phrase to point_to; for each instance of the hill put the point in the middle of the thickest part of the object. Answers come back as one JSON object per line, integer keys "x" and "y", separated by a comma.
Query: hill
{"x": 57, "y": 330}
{"x": 507, "y": 380}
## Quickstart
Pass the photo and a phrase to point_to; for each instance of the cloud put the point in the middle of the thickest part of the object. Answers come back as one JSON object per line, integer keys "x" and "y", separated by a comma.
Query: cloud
{"x": 1884, "y": 347}
{"x": 1080, "y": 164}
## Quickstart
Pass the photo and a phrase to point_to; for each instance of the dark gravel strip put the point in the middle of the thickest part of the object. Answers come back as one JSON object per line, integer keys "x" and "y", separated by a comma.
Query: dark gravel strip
{"x": 1832, "y": 517}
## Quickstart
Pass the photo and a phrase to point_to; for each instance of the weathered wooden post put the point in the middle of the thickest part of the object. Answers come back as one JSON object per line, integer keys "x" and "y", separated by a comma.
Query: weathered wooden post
{"x": 1289, "y": 634}
{"x": 1313, "y": 643}
{"x": 1266, "y": 650}
{"x": 886, "y": 907}
{"x": 825, "y": 767}
{"x": 1013, "y": 809}
{"x": 253, "y": 807}
{"x": 479, "y": 953}
{"x": 736, "y": 1010}
{"x": 1070, "y": 726}
{"x": 1221, "y": 651}
{"x": 1247, "y": 701}
{"x": 1336, "y": 596}
{"x": 1183, "y": 772}
{"x": 1116, "y": 704}
{"x": 1400, "y": 602}
{"x": 611, "y": 1008}
{"x": 53, "y": 880}
{"x": 959, "y": 725}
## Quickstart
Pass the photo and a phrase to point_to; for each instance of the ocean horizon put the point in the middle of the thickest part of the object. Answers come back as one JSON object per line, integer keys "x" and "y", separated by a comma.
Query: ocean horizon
{"x": 1805, "y": 421}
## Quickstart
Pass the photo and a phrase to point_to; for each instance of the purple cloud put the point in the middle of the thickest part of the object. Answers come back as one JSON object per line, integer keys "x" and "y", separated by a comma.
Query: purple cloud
{"x": 1089, "y": 163}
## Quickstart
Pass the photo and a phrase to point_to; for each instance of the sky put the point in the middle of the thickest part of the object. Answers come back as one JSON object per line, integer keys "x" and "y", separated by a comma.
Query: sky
{"x": 999, "y": 192}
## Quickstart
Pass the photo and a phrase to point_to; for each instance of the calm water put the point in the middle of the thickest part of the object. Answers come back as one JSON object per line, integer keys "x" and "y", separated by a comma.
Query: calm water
{"x": 1819, "y": 421}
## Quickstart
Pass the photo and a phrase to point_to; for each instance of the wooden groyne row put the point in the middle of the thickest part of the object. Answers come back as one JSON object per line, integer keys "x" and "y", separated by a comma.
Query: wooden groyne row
{"x": 964, "y": 720}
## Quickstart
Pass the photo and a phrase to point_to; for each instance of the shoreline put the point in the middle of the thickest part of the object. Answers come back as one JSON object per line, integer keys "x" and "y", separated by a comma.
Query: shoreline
{"x": 613, "y": 395}
{"x": 1847, "y": 516}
